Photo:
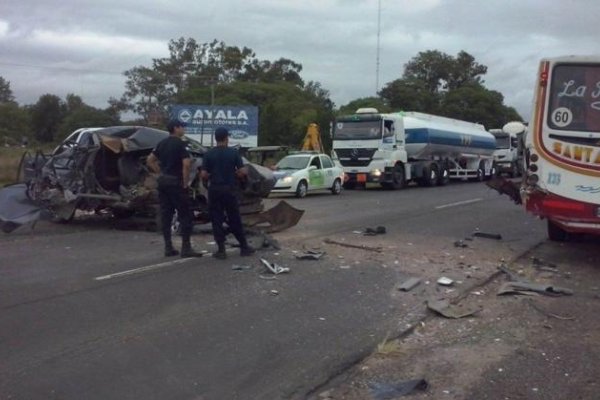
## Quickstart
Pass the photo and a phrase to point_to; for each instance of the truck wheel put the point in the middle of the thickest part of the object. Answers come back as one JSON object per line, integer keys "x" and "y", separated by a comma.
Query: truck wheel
{"x": 430, "y": 175}
{"x": 301, "y": 190}
{"x": 444, "y": 176}
{"x": 398, "y": 177}
{"x": 556, "y": 233}
{"x": 337, "y": 187}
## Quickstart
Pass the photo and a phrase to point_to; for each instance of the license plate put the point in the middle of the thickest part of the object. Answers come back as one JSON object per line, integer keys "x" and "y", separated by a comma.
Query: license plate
{"x": 361, "y": 177}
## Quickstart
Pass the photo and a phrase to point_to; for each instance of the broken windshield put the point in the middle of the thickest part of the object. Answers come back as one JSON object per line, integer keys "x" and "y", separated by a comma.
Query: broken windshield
{"x": 357, "y": 130}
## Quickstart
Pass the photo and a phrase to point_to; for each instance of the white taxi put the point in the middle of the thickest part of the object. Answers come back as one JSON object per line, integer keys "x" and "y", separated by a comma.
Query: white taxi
{"x": 303, "y": 172}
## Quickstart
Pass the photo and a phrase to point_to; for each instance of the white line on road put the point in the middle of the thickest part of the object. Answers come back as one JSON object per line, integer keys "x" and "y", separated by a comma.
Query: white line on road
{"x": 458, "y": 203}
{"x": 141, "y": 269}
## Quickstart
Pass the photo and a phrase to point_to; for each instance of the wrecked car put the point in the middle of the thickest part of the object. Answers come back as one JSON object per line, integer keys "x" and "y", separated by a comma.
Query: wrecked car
{"x": 103, "y": 170}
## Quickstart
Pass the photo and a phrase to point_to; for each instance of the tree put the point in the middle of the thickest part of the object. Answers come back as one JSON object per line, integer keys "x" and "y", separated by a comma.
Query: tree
{"x": 15, "y": 121}
{"x": 85, "y": 117}
{"x": 436, "y": 83}
{"x": 193, "y": 66}
{"x": 6, "y": 94}
{"x": 364, "y": 102}
{"x": 46, "y": 115}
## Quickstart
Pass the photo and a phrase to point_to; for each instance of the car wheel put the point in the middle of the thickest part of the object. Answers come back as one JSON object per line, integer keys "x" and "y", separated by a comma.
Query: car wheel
{"x": 302, "y": 189}
{"x": 337, "y": 187}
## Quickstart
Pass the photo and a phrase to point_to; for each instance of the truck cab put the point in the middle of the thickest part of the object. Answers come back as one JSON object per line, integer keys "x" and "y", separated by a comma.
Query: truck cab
{"x": 508, "y": 156}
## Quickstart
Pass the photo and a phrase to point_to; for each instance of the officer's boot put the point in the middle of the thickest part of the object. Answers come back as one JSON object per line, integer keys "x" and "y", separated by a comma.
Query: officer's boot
{"x": 169, "y": 249}
{"x": 186, "y": 248}
{"x": 220, "y": 253}
{"x": 246, "y": 249}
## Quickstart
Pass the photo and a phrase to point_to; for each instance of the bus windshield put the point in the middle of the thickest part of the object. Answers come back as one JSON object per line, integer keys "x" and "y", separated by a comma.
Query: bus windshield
{"x": 357, "y": 130}
{"x": 574, "y": 102}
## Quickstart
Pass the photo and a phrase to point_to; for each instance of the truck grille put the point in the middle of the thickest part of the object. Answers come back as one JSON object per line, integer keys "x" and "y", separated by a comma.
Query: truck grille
{"x": 355, "y": 157}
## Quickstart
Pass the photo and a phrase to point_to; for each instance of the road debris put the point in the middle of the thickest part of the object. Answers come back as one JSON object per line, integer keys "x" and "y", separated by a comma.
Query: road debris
{"x": 236, "y": 267}
{"x": 444, "y": 281}
{"x": 444, "y": 308}
{"x": 524, "y": 287}
{"x": 386, "y": 391}
{"x": 380, "y": 230}
{"x": 310, "y": 255}
{"x": 460, "y": 243}
{"x": 274, "y": 292}
{"x": 548, "y": 314}
{"x": 545, "y": 266}
{"x": 273, "y": 267}
{"x": 354, "y": 246}
{"x": 409, "y": 284}
{"x": 485, "y": 235}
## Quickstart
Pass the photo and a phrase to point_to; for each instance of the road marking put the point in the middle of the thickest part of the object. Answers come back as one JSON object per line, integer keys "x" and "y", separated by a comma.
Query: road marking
{"x": 458, "y": 203}
{"x": 141, "y": 269}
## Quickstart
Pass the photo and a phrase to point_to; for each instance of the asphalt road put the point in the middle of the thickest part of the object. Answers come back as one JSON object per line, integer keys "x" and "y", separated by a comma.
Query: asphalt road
{"x": 91, "y": 312}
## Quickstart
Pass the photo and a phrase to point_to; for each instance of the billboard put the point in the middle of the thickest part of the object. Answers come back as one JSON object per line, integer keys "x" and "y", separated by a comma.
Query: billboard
{"x": 202, "y": 120}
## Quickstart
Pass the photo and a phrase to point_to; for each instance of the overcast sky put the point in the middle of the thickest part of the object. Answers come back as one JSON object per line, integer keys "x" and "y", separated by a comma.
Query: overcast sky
{"x": 83, "y": 46}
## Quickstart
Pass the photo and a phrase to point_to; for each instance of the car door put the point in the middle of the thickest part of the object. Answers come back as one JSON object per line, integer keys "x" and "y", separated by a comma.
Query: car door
{"x": 316, "y": 178}
{"x": 328, "y": 170}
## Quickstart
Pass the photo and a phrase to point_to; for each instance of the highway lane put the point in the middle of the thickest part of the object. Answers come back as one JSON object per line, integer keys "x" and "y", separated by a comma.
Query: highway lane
{"x": 197, "y": 329}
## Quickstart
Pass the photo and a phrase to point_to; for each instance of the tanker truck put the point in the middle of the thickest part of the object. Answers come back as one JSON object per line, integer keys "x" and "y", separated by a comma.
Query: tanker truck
{"x": 396, "y": 148}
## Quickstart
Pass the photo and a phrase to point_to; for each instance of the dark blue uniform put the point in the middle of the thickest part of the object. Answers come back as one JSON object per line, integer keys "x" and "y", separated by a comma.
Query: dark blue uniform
{"x": 171, "y": 193}
{"x": 222, "y": 163}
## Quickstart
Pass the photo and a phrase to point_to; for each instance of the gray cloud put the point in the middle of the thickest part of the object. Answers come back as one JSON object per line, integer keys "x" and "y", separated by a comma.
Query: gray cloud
{"x": 84, "y": 46}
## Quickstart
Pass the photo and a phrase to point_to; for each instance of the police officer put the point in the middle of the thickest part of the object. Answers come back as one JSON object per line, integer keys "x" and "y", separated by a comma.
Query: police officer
{"x": 222, "y": 167}
{"x": 171, "y": 160}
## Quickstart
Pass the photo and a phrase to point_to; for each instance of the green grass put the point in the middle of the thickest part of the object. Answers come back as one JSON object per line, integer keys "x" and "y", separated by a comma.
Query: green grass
{"x": 9, "y": 163}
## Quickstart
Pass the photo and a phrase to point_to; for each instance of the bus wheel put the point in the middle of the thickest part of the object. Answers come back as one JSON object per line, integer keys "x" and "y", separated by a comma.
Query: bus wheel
{"x": 556, "y": 233}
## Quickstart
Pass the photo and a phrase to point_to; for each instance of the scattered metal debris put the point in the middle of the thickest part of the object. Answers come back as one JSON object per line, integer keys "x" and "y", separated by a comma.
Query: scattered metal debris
{"x": 274, "y": 292}
{"x": 387, "y": 391}
{"x": 444, "y": 281}
{"x": 380, "y": 230}
{"x": 523, "y": 287}
{"x": 236, "y": 267}
{"x": 354, "y": 246}
{"x": 505, "y": 186}
{"x": 274, "y": 268}
{"x": 548, "y": 314}
{"x": 542, "y": 265}
{"x": 460, "y": 243}
{"x": 310, "y": 255}
{"x": 485, "y": 235}
{"x": 444, "y": 308}
{"x": 409, "y": 284}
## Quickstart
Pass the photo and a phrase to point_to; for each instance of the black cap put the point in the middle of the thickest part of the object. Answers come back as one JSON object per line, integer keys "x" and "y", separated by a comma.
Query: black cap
{"x": 221, "y": 134}
{"x": 174, "y": 123}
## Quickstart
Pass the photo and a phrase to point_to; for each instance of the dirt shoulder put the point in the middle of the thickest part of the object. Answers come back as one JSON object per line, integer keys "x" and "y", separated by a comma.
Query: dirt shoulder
{"x": 516, "y": 347}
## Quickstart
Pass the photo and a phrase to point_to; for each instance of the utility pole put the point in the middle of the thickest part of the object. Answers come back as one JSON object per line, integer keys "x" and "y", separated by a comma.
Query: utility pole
{"x": 378, "y": 46}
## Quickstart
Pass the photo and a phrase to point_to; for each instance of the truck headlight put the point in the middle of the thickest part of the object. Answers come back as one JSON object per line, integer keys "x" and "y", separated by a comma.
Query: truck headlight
{"x": 376, "y": 172}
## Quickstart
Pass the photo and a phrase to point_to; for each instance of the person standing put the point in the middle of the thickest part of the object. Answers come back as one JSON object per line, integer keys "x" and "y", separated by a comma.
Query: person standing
{"x": 172, "y": 162}
{"x": 222, "y": 166}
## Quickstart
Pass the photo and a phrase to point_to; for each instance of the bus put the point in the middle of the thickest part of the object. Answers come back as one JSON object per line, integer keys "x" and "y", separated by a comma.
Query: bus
{"x": 562, "y": 147}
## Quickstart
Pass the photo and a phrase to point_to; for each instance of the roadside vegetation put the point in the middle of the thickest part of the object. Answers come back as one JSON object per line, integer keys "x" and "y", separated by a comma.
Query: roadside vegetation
{"x": 9, "y": 164}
